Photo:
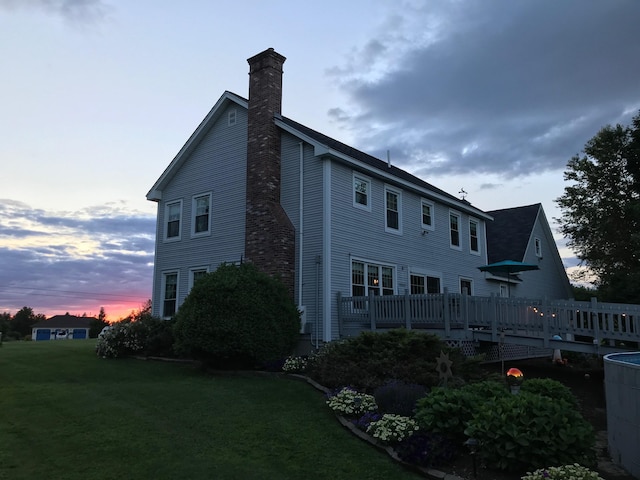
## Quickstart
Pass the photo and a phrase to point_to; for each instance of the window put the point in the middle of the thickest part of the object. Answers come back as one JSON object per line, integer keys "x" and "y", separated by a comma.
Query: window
{"x": 361, "y": 190}
{"x": 232, "y": 117}
{"x": 454, "y": 228}
{"x": 200, "y": 218}
{"x": 392, "y": 204}
{"x": 421, "y": 284}
{"x": 474, "y": 246}
{"x": 371, "y": 279}
{"x": 173, "y": 215}
{"x": 196, "y": 274}
{"x": 466, "y": 286}
{"x": 538, "y": 247}
{"x": 170, "y": 294}
{"x": 504, "y": 290}
{"x": 427, "y": 214}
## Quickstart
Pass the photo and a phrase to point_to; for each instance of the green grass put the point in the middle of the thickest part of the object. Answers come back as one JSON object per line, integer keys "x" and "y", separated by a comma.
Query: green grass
{"x": 67, "y": 414}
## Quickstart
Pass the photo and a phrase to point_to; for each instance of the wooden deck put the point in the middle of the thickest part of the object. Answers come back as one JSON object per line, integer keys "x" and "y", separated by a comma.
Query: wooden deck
{"x": 588, "y": 327}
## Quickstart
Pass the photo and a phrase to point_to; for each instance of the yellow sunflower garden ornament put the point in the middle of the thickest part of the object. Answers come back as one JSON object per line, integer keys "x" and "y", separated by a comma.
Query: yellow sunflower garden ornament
{"x": 443, "y": 366}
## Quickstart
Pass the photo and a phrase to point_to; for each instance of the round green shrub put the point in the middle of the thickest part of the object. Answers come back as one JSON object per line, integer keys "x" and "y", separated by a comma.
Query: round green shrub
{"x": 549, "y": 388}
{"x": 447, "y": 411}
{"x": 371, "y": 359}
{"x": 237, "y": 317}
{"x": 528, "y": 431}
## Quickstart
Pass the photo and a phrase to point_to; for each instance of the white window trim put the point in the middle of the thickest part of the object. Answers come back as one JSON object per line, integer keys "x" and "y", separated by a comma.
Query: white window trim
{"x": 459, "y": 216}
{"x": 192, "y": 271}
{"x": 166, "y": 222}
{"x": 398, "y": 231}
{"x": 477, "y": 222}
{"x": 431, "y": 227}
{"x": 163, "y": 291}
{"x": 232, "y": 117}
{"x": 193, "y": 215}
{"x": 503, "y": 290}
{"x": 367, "y": 180}
{"x": 467, "y": 279}
{"x": 376, "y": 263}
{"x": 537, "y": 246}
{"x": 421, "y": 272}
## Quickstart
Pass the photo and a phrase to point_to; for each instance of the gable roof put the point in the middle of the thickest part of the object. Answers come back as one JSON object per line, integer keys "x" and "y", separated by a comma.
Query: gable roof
{"x": 323, "y": 145}
{"x": 155, "y": 194}
{"x": 64, "y": 321}
{"x": 509, "y": 233}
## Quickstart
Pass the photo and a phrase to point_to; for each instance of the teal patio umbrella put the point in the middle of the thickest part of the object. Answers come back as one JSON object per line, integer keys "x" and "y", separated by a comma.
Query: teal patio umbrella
{"x": 508, "y": 267}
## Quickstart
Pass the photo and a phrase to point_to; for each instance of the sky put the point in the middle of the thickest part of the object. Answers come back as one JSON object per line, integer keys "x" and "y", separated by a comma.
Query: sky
{"x": 98, "y": 96}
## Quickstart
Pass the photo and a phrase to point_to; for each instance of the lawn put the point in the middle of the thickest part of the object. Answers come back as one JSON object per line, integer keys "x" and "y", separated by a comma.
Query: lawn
{"x": 67, "y": 414}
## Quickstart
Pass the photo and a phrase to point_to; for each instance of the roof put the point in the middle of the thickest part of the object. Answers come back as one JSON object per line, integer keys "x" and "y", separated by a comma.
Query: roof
{"x": 65, "y": 321}
{"x": 324, "y": 144}
{"x": 509, "y": 233}
{"x": 370, "y": 162}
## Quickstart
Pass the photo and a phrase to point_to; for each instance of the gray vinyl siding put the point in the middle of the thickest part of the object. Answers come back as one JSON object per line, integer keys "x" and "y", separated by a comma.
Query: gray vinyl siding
{"x": 361, "y": 234}
{"x": 311, "y": 226}
{"x": 216, "y": 165}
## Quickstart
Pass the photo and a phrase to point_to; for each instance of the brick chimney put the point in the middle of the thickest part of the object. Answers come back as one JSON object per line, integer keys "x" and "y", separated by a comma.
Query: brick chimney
{"x": 270, "y": 235}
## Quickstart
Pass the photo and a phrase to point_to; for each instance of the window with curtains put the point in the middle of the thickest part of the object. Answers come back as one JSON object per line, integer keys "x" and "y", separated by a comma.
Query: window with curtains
{"x": 371, "y": 279}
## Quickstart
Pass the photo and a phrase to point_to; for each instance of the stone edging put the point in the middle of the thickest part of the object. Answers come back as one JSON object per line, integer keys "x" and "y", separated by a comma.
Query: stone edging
{"x": 427, "y": 472}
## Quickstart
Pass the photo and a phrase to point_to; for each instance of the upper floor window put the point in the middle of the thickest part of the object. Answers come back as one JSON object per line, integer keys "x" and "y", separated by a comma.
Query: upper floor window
{"x": 169, "y": 294}
{"x": 474, "y": 245}
{"x": 538, "y": 247}
{"x": 201, "y": 219}
{"x": 232, "y": 117}
{"x": 454, "y": 229}
{"x": 173, "y": 217}
{"x": 427, "y": 214}
{"x": 392, "y": 205}
{"x": 361, "y": 192}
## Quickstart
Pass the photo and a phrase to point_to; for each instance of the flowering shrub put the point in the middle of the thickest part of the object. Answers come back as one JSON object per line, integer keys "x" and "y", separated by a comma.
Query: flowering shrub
{"x": 392, "y": 428}
{"x": 350, "y": 402}
{"x": 123, "y": 338}
{"x": 566, "y": 472}
{"x": 295, "y": 365}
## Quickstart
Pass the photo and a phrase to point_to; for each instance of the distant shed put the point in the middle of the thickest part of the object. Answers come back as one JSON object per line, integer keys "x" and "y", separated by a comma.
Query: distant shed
{"x": 62, "y": 327}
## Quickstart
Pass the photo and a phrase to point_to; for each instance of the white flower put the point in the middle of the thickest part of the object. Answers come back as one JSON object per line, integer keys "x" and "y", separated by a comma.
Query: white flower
{"x": 392, "y": 428}
{"x": 350, "y": 402}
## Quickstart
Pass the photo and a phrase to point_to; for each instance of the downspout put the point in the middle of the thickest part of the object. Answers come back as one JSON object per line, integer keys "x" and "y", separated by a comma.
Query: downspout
{"x": 300, "y": 250}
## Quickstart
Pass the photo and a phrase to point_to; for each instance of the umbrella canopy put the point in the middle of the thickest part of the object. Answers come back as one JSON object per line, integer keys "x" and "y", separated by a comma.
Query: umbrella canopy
{"x": 508, "y": 267}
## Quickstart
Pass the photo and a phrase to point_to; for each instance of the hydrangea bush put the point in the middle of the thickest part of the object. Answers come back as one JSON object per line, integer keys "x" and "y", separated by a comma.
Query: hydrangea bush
{"x": 566, "y": 472}
{"x": 392, "y": 428}
{"x": 122, "y": 339}
{"x": 295, "y": 365}
{"x": 350, "y": 402}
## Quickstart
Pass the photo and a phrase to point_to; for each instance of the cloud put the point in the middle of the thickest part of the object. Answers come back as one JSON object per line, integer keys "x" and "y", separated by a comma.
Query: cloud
{"x": 75, "y": 261}
{"x": 509, "y": 88}
{"x": 74, "y": 11}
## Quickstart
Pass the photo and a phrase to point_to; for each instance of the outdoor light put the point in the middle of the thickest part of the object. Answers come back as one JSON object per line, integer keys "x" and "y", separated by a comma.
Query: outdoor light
{"x": 514, "y": 379}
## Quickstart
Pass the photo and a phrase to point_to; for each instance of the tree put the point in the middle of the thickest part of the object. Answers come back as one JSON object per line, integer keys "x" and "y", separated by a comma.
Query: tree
{"x": 23, "y": 320}
{"x": 601, "y": 210}
{"x": 237, "y": 317}
{"x": 97, "y": 324}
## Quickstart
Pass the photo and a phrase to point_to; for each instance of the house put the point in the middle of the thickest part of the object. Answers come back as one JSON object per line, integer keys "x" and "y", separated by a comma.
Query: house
{"x": 62, "y": 327}
{"x": 253, "y": 185}
{"x": 522, "y": 234}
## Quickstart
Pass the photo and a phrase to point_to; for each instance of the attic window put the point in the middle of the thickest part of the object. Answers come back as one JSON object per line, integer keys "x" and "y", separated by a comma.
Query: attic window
{"x": 538, "y": 247}
{"x": 232, "y": 117}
